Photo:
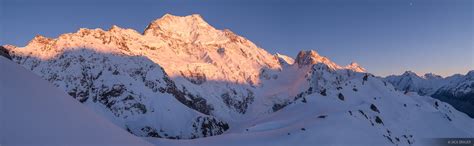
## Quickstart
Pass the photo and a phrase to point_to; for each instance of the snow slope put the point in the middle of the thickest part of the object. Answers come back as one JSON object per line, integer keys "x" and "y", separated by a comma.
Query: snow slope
{"x": 34, "y": 112}
{"x": 131, "y": 91}
{"x": 360, "y": 109}
{"x": 458, "y": 90}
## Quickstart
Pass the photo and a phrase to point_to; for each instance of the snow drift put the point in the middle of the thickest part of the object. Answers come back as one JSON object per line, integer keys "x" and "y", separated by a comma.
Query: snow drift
{"x": 34, "y": 112}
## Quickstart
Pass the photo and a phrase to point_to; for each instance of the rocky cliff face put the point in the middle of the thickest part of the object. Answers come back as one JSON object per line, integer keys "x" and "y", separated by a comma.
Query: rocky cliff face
{"x": 4, "y": 52}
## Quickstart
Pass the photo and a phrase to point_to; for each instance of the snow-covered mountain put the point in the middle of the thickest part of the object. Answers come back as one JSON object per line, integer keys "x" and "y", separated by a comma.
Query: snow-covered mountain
{"x": 423, "y": 85}
{"x": 132, "y": 91}
{"x": 458, "y": 90}
{"x": 182, "y": 78}
{"x": 34, "y": 112}
{"x": 459, "y": 93}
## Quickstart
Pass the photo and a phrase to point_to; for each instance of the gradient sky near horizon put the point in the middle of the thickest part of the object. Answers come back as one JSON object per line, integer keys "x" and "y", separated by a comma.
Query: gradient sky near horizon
{"x": 384, "y": 36}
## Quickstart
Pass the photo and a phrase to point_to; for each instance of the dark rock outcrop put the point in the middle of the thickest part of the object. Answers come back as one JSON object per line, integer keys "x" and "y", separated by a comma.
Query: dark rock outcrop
{"x": 4, "y": 52}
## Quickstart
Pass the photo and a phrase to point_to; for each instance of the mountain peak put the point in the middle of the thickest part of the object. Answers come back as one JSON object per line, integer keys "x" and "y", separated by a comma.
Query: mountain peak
{"x": 354, "y": 64}
{"x": 115, "y": 28}
{"x": 192, "y": 16}
{"x": 409, "y": 73}
{"x": 312, "y": 57}
{"x": 193, "y": 19}
{"x": 177, "y": 24}
{"x": 283, "y": 59}
{"x": 187, "y": 29}
{"x": 355, "y": 67}
{"x": 308, "y": 57}
{"x": 431, "y": 76}
{"x": 470, "y": 73}
{"x": 39, "y": 39}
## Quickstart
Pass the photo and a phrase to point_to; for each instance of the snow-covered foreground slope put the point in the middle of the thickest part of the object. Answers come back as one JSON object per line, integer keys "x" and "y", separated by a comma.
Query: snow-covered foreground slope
{"x": 34, "y": 112}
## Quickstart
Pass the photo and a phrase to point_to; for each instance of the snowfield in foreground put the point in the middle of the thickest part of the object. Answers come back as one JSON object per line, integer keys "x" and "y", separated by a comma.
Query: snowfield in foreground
{"x": 34, "y": 112}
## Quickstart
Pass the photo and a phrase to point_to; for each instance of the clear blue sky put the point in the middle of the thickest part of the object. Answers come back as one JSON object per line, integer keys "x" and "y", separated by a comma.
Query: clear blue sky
{"x": 384, "y": 36}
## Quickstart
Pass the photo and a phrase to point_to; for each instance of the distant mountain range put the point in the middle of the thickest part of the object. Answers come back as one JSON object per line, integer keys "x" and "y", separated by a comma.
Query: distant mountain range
{"x": 457, "y": 90}
{"x": 183, "y": 79}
